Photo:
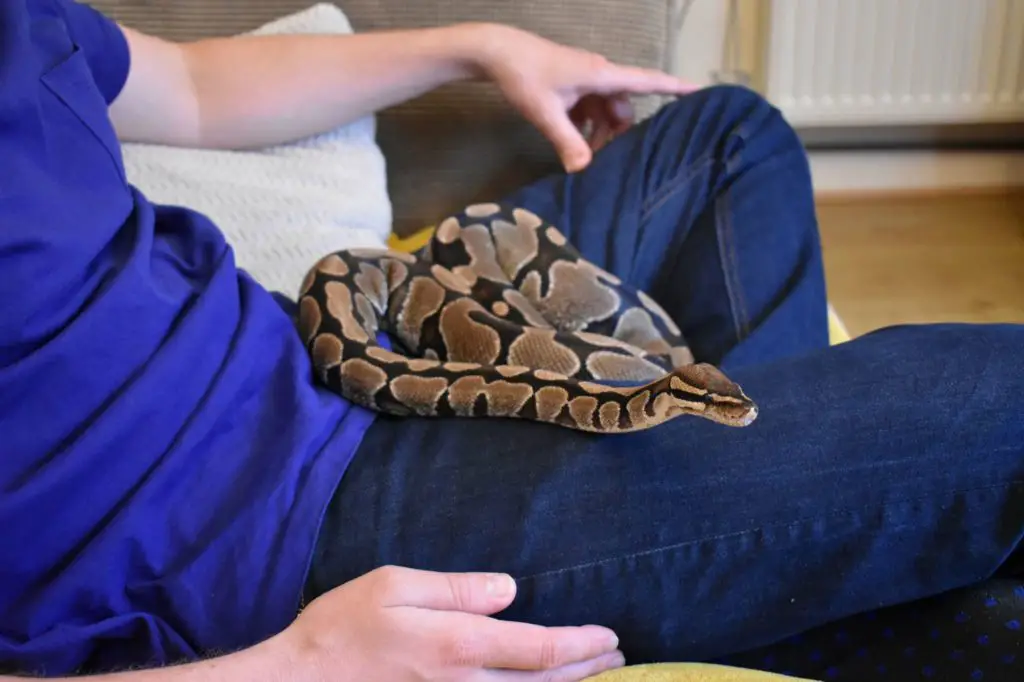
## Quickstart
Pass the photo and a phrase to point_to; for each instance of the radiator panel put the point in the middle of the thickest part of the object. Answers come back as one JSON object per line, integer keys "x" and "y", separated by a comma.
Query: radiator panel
{"x": 891, "y": 62}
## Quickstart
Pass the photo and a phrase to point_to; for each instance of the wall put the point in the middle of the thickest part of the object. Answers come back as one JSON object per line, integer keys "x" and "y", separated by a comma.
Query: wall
{"x": 851, "y": 158}
{"x": 702, "y": 52}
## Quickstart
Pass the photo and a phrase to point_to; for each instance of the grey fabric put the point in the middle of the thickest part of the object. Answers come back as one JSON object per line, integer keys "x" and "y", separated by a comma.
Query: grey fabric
{"x": 460, "y": 143}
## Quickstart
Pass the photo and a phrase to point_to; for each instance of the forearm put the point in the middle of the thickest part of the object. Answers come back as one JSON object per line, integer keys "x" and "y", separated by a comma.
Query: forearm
{"x": 260, "y": 90}
{"x": 270, "y": 661}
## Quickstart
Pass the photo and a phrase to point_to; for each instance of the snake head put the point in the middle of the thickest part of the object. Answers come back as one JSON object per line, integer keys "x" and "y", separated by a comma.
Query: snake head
{"x": 705, "y": 391}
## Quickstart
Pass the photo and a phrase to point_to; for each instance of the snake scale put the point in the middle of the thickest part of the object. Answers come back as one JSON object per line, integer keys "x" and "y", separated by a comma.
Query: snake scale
{"x": 500, "y": 316}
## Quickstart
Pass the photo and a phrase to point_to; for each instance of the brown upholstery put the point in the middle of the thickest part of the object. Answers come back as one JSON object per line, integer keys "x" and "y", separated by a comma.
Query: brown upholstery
{"x": 460, "y": 143}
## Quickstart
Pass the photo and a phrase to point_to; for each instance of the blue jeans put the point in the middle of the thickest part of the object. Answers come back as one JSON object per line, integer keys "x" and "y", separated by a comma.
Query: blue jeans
{"x": 879, "y": 471}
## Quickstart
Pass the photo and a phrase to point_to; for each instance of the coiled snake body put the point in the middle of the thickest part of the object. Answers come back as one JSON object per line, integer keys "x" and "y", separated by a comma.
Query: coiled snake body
{"x": 499, "y": 316}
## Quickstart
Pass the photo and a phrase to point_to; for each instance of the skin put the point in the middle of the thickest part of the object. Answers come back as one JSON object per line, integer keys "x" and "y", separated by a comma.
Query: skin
{"x": 253, "y": 91}
{"x": 400, "y": 625}
{"x": 391, "y": 624}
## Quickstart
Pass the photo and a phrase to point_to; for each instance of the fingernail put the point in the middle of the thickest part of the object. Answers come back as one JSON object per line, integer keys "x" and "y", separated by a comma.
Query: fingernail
{"x": 607, "y": 637}
{"x": 500, "y": 585}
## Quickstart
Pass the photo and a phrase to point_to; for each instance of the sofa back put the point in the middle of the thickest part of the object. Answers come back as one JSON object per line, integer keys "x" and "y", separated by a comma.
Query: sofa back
{"x": 460, "y": 143}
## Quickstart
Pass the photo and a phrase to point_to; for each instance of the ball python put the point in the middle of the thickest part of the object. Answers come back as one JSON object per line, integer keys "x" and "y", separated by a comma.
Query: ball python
{"x": 500, "y": 316}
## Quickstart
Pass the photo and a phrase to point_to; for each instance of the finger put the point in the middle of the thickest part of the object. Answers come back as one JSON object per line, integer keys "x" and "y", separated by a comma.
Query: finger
{"x": 614, "y": 117}
{"x": 620, "y": 111}
{"x": 615, "y": 78}
{"x": 588, "y": 108}
{"x": 603, "y": 133}
{"x": 574, "y": 672}
{"x": 476, "y": 593}
{"x": 593, "y": 111}
{"x": 551, "y": 119}
{"x": 495, "y": 644}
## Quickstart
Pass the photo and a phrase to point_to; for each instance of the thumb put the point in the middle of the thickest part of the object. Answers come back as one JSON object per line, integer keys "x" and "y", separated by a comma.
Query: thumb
{"x": 552, "y": 120}
{"x": 479, "y": 593}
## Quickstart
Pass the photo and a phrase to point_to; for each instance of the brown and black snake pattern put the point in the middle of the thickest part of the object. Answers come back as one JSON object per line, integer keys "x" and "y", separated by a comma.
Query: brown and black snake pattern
{"x": 499, "y": 316}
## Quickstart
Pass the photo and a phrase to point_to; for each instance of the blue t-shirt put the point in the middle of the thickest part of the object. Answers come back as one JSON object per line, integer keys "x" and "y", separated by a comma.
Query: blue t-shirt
{"x": 165, "y": 456}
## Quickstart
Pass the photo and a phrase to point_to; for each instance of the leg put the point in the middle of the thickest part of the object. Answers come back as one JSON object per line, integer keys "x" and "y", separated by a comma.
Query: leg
{"x": 708, "y": 207}
{"x": 881, "y": 471}
{"x": 973, "y": 633}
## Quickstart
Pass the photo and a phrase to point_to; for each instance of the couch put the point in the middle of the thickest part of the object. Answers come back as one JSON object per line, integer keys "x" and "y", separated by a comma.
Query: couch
{"x": 459, "y": 143}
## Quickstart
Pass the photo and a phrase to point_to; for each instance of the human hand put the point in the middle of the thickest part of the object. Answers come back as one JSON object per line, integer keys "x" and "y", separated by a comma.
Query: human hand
{"x": 560, "y": 89}
{"x": 404, "y": 625}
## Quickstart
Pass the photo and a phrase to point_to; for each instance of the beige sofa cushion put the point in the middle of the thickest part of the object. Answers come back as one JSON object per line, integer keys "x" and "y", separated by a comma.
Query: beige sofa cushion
{"x": 460, "y": 143}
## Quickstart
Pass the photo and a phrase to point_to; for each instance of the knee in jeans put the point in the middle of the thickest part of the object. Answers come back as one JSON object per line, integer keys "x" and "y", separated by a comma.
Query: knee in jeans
{"x": 733, "y": 114}
{"x": 734, "y": 96}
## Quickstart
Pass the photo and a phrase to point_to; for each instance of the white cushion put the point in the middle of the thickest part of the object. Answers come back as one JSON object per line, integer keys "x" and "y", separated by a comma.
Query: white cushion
{"x": 284, "y": 207}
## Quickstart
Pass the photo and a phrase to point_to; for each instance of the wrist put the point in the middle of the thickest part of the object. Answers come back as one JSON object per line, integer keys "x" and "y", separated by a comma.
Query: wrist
{"x": 475, "y": 47}
{"x": 287, "y": 658}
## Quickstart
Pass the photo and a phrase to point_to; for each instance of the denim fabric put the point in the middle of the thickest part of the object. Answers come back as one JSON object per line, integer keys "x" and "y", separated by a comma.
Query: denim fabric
{"x": 880, "y": 471}
{"x": 974, "y": 634}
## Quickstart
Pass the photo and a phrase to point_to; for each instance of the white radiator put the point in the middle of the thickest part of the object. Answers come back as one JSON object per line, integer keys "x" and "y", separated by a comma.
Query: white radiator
{"x": 890, "y": 62}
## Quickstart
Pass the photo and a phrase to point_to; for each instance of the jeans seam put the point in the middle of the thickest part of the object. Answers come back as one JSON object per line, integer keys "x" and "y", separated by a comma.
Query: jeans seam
{"x": 728, "y": 258}
{"x": 730, "y": 268}
{"x": 728, "y": 245}
{"x": 672, "y": 187}
{"x": 722, "y": 536}
{"x": 741, "y": 132}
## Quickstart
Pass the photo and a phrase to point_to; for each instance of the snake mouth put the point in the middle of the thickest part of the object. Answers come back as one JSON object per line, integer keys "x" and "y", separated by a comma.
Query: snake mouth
{"x": 741, "y": 413}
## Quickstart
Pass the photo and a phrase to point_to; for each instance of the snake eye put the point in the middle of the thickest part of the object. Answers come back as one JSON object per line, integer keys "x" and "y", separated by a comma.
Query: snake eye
{"x": 711, "y": 379}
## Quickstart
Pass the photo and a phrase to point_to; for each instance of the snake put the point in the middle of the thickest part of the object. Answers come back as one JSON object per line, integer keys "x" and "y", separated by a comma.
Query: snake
{"x": 498, "y": 315}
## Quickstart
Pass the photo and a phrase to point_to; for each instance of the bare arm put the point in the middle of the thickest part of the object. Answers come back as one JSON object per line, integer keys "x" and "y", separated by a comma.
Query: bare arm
{"x": 268, "y": 662}
{"x": 252, "y": 91}
{"x": 401, "y": 625}
{"x": 258, "y": 90}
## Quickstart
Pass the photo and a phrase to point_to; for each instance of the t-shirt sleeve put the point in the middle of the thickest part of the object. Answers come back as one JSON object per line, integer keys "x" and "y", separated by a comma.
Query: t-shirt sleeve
{"x": 102, "y": 42}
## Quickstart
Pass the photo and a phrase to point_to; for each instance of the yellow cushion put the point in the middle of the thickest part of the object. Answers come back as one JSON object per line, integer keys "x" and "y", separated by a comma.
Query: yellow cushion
{"x": 411, "y": 243}
{"x": 689, "y": 672}
{"x": 837, "y": 332}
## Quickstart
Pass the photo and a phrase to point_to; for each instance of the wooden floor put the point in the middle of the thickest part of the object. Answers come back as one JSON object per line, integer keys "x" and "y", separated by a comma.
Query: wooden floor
{"x": 924, "y": 259}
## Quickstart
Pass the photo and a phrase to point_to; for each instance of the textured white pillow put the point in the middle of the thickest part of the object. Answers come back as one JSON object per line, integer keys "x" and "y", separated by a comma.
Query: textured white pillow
{"x": 284, "y": 207}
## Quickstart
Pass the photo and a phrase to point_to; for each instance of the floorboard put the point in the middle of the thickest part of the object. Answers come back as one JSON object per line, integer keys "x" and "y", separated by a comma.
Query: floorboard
{"x": 924, "y": 259}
